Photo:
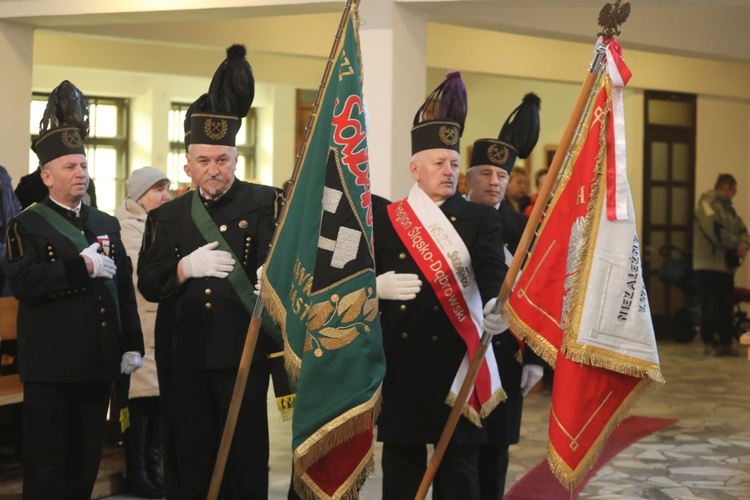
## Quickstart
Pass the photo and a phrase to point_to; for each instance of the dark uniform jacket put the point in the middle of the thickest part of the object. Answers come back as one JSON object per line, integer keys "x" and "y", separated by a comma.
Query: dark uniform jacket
{"x": 513, "y": 225}
{"x": 203, "y": 323}
{"x": 504, "y": 423}
{"x": 422, "y": 349}
{"x": 68, "y": 328}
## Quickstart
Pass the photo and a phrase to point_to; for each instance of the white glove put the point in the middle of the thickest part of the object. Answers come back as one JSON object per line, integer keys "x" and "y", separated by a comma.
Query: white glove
{"x": 530, "y": 375}
{"x": 130, "y": 362}
{"x": 402, "y": 286}
{"x": 494, "y": 323}
{"x": 104, "y": 267}
{"x": 257, "y": 282}
{"x": 205, "y": 261}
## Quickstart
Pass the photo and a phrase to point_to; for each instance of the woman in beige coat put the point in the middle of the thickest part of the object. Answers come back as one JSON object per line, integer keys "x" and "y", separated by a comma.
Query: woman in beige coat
{"x": 147, "y": 188}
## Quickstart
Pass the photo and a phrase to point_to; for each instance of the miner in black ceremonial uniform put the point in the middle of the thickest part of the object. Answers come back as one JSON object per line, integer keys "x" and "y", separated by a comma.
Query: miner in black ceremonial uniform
{"x": 200, "y": 258}
{"x": 78, "y": 325}
{"x": 520, "y": 369}
{"x": 440, "y": 267}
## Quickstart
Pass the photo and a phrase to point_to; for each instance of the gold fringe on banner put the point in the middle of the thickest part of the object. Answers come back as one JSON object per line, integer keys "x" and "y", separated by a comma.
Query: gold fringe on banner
{"x": 533, "y": 339}
{"x": 276, "y": 310}
{"x": 344, "y": 427}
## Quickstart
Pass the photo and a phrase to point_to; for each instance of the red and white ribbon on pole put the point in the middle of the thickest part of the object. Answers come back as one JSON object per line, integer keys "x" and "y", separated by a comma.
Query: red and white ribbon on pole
{"x": 617, "y": 183}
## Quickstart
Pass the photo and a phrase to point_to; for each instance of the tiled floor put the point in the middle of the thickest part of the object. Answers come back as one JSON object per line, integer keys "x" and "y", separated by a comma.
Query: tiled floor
{"x": 705, "y": 455}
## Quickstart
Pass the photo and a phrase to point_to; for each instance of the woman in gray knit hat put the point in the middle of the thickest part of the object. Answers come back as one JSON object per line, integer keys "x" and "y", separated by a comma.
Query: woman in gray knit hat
{"x": 147, "y": 188}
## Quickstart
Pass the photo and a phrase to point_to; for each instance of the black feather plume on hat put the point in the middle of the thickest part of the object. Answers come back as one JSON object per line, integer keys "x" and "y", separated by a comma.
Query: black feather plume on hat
{"x": 448, "y": 101}
{"x": 66, "y": 107}
{"x": 521, "y": 129}
{"x": 232, "y": 88}
{"x": 197, "y": 105}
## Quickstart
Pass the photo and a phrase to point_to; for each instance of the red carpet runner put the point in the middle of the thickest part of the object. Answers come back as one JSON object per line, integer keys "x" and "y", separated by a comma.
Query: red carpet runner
{"x": 540, "y": 484}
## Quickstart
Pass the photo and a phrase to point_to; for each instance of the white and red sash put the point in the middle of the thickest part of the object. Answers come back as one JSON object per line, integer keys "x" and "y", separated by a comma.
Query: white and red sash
{"x": 618, "y": 192}
{"x": 443, "y": 258}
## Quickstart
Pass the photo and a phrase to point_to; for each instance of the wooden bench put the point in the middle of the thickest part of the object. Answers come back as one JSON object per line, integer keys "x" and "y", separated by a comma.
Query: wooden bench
{"x": 11, "y": 388}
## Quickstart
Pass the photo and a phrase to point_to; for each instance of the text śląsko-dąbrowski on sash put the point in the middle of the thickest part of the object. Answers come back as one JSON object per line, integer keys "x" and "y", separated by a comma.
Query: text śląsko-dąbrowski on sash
{"x": 443, "y": 258}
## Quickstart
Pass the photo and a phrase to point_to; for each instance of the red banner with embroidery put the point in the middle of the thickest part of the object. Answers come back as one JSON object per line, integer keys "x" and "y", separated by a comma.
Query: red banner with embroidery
{"x": 581, "y": 303}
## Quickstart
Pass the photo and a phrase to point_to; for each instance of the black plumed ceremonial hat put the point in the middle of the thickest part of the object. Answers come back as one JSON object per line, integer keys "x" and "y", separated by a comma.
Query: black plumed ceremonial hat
{"x": 439, "y": 122}
{"x": 216, "y": 117}
{"x": 517, "y": 137}
{"x": 64, "y": 125}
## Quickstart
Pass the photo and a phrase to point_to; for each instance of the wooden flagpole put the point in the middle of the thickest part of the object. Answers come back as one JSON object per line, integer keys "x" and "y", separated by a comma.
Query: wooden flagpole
{"x": 254, "y": 327}
{"x": 583, "y": 102}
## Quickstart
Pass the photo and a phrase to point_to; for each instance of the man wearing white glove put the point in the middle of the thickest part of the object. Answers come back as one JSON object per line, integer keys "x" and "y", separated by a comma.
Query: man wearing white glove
{"x": 258, "y": 274}
{"x": 494, "y": 323}
{"x": 437, "y": 264}
{"x": 130, "y": 362}
{"x": 77, "y": 315}
{"x": 205, "y": 261}
{"x": 530, "y": 376}
{"x": 98, "y": 265}
{"x": 402, "y": 286}
{"x": 201, "y": 259}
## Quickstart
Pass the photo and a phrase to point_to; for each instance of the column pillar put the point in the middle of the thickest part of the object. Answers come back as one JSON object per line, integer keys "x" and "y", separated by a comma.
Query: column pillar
{"x": 394, "y": 57}
{"x": 16, "y": 53}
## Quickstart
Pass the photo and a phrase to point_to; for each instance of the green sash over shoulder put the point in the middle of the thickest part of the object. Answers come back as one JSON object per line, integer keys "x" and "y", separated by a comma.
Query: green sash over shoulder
{"x": 244, "y": 289}
{"x": 237, "y": 277}
{"x": 75, "y": 236}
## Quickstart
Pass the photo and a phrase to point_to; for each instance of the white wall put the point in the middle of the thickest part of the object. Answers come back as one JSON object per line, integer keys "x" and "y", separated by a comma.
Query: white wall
{"x": 276, "y": 153}
{"x": 15, "y": 80}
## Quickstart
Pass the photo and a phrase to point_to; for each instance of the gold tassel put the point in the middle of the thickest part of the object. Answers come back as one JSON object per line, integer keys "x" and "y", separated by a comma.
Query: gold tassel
{"x": 467, "y": 411}
{"x": 285, "y": 405}
{"x": 124, "y": 419}
{"x": 497, "y": 398}
{"x": 471, "y": 414}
